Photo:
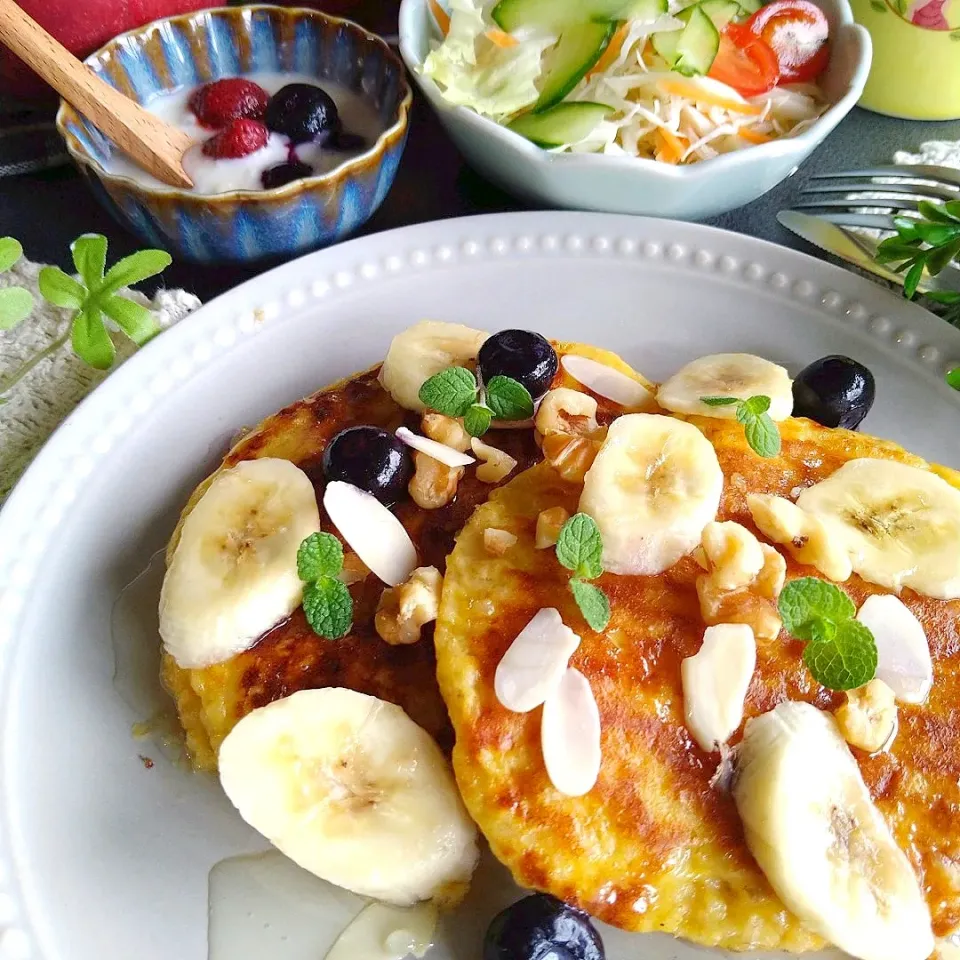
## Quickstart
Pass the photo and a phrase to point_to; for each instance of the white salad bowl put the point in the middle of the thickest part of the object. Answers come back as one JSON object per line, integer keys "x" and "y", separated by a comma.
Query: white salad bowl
{"x": 614, "y": 184}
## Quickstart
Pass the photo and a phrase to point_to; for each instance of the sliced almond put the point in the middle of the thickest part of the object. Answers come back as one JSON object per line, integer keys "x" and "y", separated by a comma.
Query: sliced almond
{"x": 439, "y": 451}
{"x": 534, "y": 663}
{"x": 570, "y": 735}
{"x": 607, "y": 382}
{"x": 715, "y": 683}
{"x": 376, "y": 536}
{"x": 903, "y": 651}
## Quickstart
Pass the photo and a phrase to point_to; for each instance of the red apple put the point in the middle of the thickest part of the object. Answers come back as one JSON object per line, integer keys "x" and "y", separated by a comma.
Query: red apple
{"x": 82, "y": 26}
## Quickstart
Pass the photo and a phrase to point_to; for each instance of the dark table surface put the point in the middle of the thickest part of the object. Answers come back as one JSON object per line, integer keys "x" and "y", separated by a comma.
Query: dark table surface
{"x": 46, "y": 211}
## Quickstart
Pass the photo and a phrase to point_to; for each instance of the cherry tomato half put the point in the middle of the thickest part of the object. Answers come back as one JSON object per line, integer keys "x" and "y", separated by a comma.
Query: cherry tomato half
{"x": 745, "y": 62}
{"x": 798, "y": 33}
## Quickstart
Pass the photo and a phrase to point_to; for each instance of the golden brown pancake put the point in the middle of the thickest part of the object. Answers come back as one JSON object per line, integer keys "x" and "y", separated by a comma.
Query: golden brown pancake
{"x": 291, "y": 657}
{"x": 654, "y": 846}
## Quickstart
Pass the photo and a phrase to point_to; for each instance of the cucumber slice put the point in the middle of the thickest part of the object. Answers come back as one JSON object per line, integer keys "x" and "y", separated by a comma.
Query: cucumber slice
{"x": 750, "y": 7}
{"x": 564, "y": 123}
{"x": 692, "y": 50}
{"x": 721, "y": 12}
{"x": 556, "y": 15}
{"x": 646, "y": 10}
{"x": 577, "y": 50}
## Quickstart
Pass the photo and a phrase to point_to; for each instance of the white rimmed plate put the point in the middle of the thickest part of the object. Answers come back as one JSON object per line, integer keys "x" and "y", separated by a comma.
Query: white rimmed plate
{"x": 102, "y": 858}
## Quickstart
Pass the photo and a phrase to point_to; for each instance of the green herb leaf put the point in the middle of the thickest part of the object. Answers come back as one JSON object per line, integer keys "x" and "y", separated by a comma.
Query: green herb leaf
{"x": 16, "y": 304}
{"x": 580, "y": 546}
{"x": 137, "y": 322}
{"x": 451, "y": 392}
{"x": 953, "y": 378}
{"x": 752, "y": 407}
{"x": 320, "y": 555}
{"x": 719, "y": 401}
{"x": 847, "y": 661}
{"x": 806, "y": 602}
{"x": 476, "y": 421}
{"x": 937, "y": 260}
{"x": 90, "y": 258}
{"x": 763, "y": 436}
{"x": 130, "y": 270}
{"x": 912, "y": 280}
{"x": 593, "y": 604}
{"x": 90, "y": 340}
{"x": 10, "y": 252}
{"x": 328, "y": 607}
{"x": 508, "y": 399}
{"x": 935, "y": 212}
{"x": 61, "y": 290}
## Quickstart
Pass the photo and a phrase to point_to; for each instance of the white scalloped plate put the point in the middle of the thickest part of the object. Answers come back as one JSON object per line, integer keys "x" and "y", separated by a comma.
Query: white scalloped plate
{"x": 101, "y": 858}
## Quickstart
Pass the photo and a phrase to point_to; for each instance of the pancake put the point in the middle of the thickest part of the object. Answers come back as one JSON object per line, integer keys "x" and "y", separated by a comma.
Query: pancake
{"x": 291, "y": 657}
{"x": 654, "y": 846}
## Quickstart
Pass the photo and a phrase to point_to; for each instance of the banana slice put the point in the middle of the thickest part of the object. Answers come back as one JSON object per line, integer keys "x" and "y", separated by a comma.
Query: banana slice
{"x": 901, "y": 524}
{"x": 655, "y": 484}
{"x": 740, "y": 375}
{"x": 421, "y": 351}
{"x": 351, "y": 789}
{"x": 233, "y": 574}
{"x": 813, "y": 829}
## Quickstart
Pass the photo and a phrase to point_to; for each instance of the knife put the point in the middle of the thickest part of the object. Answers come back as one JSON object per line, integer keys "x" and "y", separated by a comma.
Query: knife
{"x": 859, "y": 251}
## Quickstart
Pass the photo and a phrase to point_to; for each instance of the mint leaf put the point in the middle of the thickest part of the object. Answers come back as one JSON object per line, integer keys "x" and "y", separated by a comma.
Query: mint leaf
{"x": 593, "y": 604}
{"x": 476, "y": 421}
{"x": 508, "y": 399}
{"x": 320, "y": 555}
{"x": 846, "y": 662}
{"x": 137, "y": 322}
{"x": 328, "y": 607}
{"x": 719, "y": 401}
{"x": 763, "y": 436}
{"x": 10, "y": 252}
{"x": 451, "y": 392}
{"x": 16, "y": 304}
{"x": 752, "y": 407}
{"x": 580, "y": 546}
{"x": 90, "y": 258}
{"x": 953, "y": 378}
{"x": 90, "y": 340}
{"x": 61, "y": 290}
{"x": 130, "y": 270}
{"x": 809, "y": 600}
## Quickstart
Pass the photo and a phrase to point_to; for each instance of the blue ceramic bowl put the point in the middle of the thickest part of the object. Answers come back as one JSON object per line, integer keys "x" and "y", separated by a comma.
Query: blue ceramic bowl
{"x": 247, "y": 225}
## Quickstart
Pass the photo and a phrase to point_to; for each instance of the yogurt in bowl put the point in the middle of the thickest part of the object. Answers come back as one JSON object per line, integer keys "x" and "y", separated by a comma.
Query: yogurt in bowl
{"x": 358, "y": 127}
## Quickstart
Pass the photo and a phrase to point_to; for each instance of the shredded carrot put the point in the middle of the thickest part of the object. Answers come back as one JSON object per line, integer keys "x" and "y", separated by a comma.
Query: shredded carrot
{"x": 441, "y": 16}
{"x": 683, "y": 88}
{"x": 500, "y": 38}
{"x": 672, "y": 146}
{"x": 609, "y": 55}
{"x": 751, "y": 136}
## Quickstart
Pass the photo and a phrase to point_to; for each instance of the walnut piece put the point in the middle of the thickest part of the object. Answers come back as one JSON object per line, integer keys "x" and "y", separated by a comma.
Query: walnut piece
{"x": 549, "y": 524}
{"x": 567, "y": 411}
{"x": 743, "y": 580}
{"x": 445, "y": 430}
{"x": 498, "y": 542}
{"x": 403, "y": 610}
{"x": 434, "y": 484}
{"x": 868, "y": 719}
{"x": 495, "y": 465}
{"x": 808, "y": 538}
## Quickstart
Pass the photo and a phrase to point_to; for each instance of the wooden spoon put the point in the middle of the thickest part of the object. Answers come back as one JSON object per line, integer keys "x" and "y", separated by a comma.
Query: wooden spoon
{"x": 156, "y": 146}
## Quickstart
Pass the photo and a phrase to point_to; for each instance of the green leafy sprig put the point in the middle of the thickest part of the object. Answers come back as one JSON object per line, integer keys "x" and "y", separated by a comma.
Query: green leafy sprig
{"x": 926, "y": 243}
{"x": 841, "y": 653}
{"x": 95, "y": 296}
{"x": 454, "y": 392}
{"x": 579, "y": 548}
{"x": 327, "y": 603}
{"x": 758, "y": 426}
{"x": 16, "y": 303}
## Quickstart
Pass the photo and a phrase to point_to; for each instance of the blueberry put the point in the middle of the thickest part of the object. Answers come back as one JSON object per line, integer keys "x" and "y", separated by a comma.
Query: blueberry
{"x": 521, "y": 355}
{"x": 835, "y": 392}
{"x": 303, "y": 113}
{"x": 371, "y": 459}
{"x": 284, "y": 173}
{"x": 541, "y": 927}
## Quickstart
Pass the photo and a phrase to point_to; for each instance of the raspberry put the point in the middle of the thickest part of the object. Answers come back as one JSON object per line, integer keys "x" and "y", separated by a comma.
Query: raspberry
{"x": 239, "y": 139}
{"x": 216, "y": 104}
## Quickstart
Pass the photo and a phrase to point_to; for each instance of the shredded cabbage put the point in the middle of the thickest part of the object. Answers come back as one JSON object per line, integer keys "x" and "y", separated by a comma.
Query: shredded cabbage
{"x": 473, "y": 71}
